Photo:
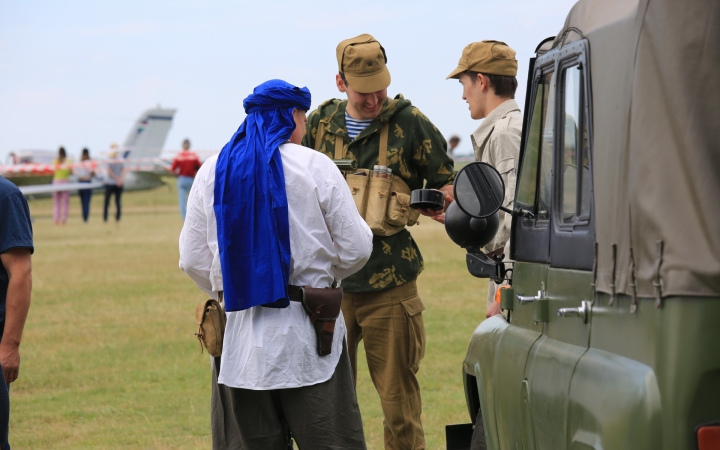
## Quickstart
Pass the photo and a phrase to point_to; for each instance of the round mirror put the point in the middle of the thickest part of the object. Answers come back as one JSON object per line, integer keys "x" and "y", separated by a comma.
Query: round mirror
{"x": 468, "y": 231}
{"x": 479, "y": 190}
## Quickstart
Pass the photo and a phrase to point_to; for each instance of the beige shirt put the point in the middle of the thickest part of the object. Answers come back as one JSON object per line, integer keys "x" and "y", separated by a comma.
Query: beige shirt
{"x": 497, "y": 142}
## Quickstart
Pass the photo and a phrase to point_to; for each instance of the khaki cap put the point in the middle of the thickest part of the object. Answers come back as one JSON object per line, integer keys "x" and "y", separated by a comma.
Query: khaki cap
{"x": 491, "y": 57}
{"x": 362, "y": 60}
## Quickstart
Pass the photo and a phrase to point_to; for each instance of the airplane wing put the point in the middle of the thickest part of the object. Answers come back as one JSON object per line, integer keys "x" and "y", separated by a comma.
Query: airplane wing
{"x": 49, "y": 188}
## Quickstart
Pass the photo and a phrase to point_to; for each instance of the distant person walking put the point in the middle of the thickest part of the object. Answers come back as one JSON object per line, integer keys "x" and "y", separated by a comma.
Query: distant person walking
{"x": 85, "y": 174}
{"x": 16, "y": 248}
{"x": 114, "y": 179}
{"x": 453, "y": 143}
{"x": 185, "y": 167}
{"x": 61, "y": 199}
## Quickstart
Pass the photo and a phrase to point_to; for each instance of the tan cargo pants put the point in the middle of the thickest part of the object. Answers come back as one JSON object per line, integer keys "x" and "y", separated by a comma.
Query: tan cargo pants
{"x": 391, "y": 325}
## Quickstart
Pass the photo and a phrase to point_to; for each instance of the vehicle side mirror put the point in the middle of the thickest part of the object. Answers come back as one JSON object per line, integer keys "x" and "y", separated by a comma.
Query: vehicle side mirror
{"x": 469, "y": 232}
{"x": 472, "y": 220}
{"x": 479, "y": 190}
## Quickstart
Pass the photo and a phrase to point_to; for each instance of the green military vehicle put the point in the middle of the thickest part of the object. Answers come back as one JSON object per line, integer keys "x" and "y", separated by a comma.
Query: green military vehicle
{"x": 610, "y": 331}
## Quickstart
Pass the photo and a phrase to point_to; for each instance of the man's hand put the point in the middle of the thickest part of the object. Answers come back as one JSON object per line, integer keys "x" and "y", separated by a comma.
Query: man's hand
{"x": 494, "y": 309}
{"x": 439, "y": 216}
{"x": 10, "y": 361}
{"x": 18, "y": 264}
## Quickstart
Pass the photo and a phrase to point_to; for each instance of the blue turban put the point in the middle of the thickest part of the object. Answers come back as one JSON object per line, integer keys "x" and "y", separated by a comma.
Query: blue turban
{"x": 251, "y": 203}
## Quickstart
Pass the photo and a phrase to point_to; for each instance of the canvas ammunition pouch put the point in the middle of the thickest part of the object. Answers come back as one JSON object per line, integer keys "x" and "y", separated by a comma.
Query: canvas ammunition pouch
{"x": 384, "y": 203}
{"x": 323, "y": 307}
{"x": 210, "y": 318}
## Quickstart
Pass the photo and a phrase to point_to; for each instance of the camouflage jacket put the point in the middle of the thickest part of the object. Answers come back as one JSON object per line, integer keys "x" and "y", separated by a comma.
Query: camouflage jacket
{"x": 417, "y": 152}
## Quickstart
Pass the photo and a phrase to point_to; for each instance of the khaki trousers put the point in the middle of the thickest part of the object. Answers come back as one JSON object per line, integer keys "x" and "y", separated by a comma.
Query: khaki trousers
{"x": 390, "y": 324}
{"x": 492, "y": 289}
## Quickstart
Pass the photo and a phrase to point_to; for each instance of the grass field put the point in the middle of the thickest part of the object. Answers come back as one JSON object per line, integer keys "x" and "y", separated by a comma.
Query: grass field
{"x": 109, "y": 358}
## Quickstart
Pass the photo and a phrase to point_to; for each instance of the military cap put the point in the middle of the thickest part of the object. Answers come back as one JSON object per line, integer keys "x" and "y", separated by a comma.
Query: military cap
{"x": 489, "y": 57}
{"x": 362, "y": 60}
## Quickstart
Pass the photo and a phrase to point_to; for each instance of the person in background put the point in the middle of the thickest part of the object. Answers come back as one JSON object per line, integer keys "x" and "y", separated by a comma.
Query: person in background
{"x": 114, "y": 183}
{"x": 85, "y": 173}
{"x": 61, "y": 199}
{"x": 452, "y": 143}
{"x": 16, "y": 248}
{"x": 185, "y": 167}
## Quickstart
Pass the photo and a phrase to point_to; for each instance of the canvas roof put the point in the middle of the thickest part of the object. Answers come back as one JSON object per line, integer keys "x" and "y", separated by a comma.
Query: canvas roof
{"x": 655, "y": 78}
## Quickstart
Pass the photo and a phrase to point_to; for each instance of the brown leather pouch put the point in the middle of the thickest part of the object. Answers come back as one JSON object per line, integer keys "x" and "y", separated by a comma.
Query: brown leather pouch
{"x": 210, "y": 318}
{"x": 323, "y": 307}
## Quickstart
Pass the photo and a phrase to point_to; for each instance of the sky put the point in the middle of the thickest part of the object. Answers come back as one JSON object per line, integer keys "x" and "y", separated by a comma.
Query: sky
{"x": 78, "y": 73}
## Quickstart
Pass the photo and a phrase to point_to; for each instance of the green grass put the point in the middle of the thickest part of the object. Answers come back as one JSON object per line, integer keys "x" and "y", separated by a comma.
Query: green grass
{"x": 109, "y": 358}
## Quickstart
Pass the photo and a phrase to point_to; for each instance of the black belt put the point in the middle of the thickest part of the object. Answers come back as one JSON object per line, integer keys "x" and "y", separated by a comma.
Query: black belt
{"x": 296, "y": 293}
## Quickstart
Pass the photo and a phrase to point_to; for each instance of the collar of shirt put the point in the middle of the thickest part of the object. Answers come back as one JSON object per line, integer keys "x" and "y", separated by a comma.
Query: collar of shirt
{"x": 355, "y": 126}
{"x": 482, "y": 133}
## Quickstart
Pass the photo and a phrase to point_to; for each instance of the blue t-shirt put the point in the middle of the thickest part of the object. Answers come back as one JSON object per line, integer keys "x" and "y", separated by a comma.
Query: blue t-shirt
{"x": 15, "y": 231}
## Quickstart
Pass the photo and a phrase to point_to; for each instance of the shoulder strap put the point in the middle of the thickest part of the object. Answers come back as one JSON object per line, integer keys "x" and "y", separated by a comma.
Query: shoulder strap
{"x": 339, "y": 153}
{"x": 340, "y": 147}
{"x": 319, "y": 135}
{"x": 382, "y": 157}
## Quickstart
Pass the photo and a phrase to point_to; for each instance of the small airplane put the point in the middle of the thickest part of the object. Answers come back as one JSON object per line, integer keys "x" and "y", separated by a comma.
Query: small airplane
{"x": 32, "y": 170}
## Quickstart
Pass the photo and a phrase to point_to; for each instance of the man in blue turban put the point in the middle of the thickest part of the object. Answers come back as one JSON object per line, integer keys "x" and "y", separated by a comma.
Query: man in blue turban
{"x": 264, "y": 216}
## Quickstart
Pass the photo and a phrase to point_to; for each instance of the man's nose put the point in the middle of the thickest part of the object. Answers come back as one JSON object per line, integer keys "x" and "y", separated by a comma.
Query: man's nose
{"x": 372, "y": 98}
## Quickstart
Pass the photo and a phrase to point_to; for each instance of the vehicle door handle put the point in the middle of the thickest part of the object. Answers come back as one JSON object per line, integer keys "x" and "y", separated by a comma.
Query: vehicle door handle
{"x": 529, "y": 298}
{"x": 581, "y": 312}
{"x": 526, "y": 298}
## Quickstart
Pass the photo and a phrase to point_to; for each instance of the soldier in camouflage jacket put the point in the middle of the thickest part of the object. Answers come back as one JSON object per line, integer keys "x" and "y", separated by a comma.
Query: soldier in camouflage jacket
{"x": 416, "y": 153}
{"x": 381, "y": 305}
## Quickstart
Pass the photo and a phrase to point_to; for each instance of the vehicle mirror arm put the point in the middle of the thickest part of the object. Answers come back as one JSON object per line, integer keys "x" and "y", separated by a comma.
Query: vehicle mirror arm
{"x": 500, "y": 275}
{"x": 507, "y": 210}
{"x": 482, "y": 266}
{"x": 501, "y": 272}
{"x": 507, "y": 277}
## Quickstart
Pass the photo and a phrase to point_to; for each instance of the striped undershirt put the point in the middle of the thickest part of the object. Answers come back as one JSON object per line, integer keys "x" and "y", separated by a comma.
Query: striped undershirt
{"x": 354, "y": 126}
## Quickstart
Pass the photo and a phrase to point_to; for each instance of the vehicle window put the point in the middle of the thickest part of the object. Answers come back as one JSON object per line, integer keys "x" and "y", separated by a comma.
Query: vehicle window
{"x": 585, "y": 174}
{"x": 575, "y": 192}
{"x": 539, "y": 144}
{"x": 546, "y": 157}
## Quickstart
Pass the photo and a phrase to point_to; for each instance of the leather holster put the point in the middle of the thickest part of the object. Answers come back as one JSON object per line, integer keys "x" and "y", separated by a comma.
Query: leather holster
{"x": 323, "y": 307}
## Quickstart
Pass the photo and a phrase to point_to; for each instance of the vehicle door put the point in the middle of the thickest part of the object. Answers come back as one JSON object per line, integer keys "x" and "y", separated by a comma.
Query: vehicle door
{"x": 563, "y": 306}
{"x": 530, "y": 250}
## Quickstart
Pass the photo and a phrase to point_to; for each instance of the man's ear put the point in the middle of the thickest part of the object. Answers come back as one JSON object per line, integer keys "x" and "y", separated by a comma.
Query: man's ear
{"x": 339, "y": 82}
{"x": 484, "y": 82}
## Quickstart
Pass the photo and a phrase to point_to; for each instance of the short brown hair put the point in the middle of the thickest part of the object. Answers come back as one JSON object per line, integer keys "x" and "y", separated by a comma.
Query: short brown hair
{"x": 503, "y": 86}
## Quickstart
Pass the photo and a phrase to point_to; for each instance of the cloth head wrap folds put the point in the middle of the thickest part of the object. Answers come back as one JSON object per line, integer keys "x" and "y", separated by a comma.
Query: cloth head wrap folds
{"x": 251, "y": 203}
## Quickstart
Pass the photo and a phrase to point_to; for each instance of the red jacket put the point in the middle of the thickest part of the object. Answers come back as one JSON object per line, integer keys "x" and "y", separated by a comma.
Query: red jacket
{"x": 186, "y": 164}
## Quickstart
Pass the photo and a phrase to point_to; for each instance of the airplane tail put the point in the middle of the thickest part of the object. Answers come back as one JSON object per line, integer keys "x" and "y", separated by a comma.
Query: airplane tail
{"x": 147, "y": 136}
